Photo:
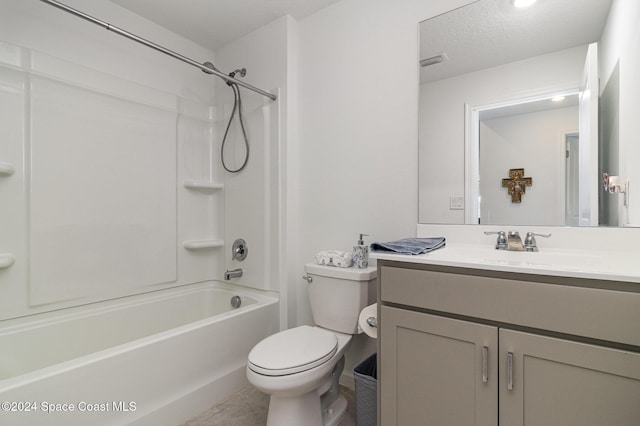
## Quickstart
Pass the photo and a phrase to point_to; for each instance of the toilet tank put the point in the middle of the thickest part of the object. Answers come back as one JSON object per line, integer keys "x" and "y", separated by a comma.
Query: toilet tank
{"x": 337, "y": 295}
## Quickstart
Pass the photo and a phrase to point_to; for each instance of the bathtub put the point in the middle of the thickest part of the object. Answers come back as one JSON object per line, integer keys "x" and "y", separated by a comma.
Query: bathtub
{"x": 154, "y": 359}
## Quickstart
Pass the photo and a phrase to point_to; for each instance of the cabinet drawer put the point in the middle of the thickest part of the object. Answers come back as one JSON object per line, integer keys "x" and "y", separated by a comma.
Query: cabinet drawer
{"x": 597, "y": 313}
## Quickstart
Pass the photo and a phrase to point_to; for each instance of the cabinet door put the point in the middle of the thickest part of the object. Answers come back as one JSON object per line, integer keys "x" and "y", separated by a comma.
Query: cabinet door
{"x": 436, "y": 371}
{"x": 558, "y": 382}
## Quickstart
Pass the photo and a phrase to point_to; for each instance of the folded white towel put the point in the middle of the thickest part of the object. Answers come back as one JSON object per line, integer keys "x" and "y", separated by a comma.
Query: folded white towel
{"x": 337, "y": 258}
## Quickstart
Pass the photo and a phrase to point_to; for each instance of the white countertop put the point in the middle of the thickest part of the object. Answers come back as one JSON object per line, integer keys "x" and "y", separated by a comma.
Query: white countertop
{"x": 590, "y": 264}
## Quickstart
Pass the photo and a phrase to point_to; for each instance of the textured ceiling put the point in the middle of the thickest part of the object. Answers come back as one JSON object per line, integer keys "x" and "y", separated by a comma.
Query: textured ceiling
{"x": 214, "y": 23}
{"x": 488, "y": 33}
{"x": 482, "y": 34}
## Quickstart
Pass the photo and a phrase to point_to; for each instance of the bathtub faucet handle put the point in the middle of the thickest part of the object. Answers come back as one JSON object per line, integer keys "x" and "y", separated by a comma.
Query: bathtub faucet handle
{"x": 239, "y": 250}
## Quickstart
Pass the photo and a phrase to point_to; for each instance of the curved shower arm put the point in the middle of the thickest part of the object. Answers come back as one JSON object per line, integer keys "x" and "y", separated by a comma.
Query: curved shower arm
{"x": 157, "y": 47}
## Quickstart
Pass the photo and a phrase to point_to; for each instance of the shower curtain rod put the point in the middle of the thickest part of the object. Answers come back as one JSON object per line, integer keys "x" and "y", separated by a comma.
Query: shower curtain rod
{"x": 157, "y": 47}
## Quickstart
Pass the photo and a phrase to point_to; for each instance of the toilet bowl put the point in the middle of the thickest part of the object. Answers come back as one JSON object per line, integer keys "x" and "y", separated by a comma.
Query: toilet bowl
{"x": 298, "y": 380}
{"x": 300, "y": 367}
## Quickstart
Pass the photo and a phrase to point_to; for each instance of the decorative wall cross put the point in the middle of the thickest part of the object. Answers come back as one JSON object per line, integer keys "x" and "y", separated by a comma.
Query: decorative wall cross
{"x": 516, "y": 184}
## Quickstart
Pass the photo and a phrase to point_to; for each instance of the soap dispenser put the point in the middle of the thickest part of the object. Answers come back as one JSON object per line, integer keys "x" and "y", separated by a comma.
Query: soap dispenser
{"x": 361, "y": 253}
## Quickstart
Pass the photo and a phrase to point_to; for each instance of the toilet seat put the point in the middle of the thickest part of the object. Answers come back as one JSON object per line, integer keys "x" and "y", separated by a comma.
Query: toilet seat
{"x": 293, "y": 351}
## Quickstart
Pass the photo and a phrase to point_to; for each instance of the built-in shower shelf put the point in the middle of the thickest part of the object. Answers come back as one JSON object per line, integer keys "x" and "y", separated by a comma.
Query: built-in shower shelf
{"x": 6, "y": 169}
{"x": 201, "y": 185}
{"x": 202, "y": 244}
{"x": 6, "y": 261}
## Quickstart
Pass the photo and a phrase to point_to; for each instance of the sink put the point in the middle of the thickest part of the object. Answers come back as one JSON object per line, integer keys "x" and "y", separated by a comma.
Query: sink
{"x": 590, "y": 264}
{"x": 551, "y": 258}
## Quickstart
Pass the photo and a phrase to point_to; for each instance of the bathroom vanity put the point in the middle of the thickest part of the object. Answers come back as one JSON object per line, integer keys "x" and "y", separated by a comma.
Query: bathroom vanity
{"x": 472, "y": 336}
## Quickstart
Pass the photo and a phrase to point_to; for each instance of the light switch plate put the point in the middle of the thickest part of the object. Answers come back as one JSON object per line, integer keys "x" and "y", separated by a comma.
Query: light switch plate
{"x": 456, "y": 203}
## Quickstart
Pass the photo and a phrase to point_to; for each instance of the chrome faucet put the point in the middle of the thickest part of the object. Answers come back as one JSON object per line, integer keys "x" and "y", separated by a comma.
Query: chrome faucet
{"x": 501, "y": 241}
{"x": 530, "y": 241}
{"x": 514, "y": 242}
{"x": 236, "y": 273}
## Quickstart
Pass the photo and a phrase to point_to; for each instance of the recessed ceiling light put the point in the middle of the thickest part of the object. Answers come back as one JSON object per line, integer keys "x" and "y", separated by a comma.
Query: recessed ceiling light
{"x": 522, "y": 3}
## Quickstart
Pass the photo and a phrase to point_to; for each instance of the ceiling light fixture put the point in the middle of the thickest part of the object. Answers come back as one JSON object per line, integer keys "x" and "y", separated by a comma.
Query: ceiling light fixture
{"x": 440, "y": 57}
{"x": 522, "y": 3}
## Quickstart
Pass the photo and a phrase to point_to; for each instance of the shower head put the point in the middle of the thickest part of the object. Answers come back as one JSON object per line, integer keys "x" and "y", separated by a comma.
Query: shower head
{"x": 242, "y": 72}
{"x": 232, "y": 74}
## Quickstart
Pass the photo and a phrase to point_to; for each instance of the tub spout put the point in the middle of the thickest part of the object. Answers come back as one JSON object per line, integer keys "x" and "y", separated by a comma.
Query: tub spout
{"x": 236, "y": 273}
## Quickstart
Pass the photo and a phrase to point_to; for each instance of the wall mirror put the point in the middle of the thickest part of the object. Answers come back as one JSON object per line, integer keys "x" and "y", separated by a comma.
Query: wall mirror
{"x": 549, "y": 89}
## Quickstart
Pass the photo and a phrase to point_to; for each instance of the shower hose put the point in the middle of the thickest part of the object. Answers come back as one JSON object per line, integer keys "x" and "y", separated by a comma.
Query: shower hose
{"x": 237, "y": 106}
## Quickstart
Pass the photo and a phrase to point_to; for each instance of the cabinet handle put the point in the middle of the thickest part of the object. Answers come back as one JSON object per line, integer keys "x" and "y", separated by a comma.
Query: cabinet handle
{"x": 510, "y": 371}
{"x": 485, "y": 364}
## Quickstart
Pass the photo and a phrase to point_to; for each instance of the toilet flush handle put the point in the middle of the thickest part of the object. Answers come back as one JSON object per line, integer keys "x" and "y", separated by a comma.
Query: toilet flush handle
{"x": 308, "y": 278}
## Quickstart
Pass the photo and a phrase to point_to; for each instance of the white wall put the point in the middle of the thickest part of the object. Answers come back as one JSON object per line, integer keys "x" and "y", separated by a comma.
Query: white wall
{"x": 535, "y": 142}
{"x": 36, "y": 25}
{"x": 256, "y": 198}
{"x": 357, "y": 146}
{"x": 95, "y": 212}
{"x": 442, "y": 108}
{"x": 621, "y": 43}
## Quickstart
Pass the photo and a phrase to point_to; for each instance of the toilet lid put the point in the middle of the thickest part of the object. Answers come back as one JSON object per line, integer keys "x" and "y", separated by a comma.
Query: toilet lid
{"x": 293, "y": 351}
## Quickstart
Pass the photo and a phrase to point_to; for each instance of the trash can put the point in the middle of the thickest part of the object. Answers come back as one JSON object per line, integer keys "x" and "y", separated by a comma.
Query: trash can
{"x": 366, "y": 381}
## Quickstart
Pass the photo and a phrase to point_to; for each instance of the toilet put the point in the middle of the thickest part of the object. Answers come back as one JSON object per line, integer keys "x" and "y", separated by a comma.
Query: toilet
{"x": 300, "y": 367}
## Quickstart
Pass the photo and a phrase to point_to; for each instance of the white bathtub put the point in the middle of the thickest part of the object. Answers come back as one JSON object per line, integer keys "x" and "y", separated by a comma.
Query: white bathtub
{"x": 154, "y": 359}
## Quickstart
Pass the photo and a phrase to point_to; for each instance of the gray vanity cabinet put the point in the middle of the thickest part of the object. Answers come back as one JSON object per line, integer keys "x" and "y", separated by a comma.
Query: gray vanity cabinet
{"x": 465, "y": 347}
{"x": 561, "y": 382}
{"x": 437, "y": 370}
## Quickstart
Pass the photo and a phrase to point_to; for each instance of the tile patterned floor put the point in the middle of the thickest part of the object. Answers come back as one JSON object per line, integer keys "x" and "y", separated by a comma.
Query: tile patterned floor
{"x": 249, "y": 408}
